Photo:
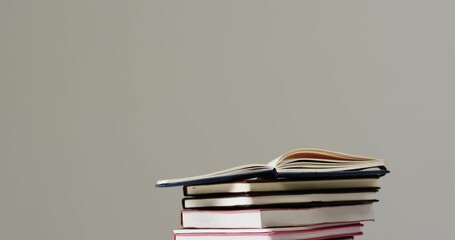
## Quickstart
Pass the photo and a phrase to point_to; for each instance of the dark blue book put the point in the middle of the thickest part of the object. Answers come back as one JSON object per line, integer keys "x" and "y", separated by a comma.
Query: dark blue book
{"x": 296, "y": 164}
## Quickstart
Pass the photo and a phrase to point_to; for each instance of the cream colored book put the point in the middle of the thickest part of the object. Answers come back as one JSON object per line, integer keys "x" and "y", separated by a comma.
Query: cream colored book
{"x": 286, "y": 185}
{"x": 247, "y": 201}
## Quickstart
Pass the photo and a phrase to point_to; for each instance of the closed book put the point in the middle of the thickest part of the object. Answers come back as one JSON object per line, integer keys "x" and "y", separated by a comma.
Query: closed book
{"x": 279, "y": 185}
{"x": 275, "y": 234}
{"x": 288, "y": 199}
{"x": 280, "y": 217}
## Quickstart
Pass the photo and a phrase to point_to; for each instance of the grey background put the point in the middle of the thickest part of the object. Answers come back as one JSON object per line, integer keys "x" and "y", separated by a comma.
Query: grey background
{"x": 99, "y": 99}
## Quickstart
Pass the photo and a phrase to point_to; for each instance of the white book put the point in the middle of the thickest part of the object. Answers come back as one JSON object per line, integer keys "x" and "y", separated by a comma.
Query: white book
{"x": 267, "y": 218}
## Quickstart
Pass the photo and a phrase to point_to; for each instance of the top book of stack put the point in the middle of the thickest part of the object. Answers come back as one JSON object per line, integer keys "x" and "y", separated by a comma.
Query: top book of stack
{"x": 304, "y": 163}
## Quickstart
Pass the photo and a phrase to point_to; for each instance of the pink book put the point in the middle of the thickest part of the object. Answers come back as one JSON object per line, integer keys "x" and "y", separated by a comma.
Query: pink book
{"x": 292, "y": 233}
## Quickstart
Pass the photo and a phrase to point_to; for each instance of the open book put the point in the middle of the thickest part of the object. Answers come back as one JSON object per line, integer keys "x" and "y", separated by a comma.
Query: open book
{"x": 298, "y": 163}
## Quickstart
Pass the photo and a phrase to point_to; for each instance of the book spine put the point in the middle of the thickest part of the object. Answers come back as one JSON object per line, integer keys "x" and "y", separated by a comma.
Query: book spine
{"x": 185, "y": 191}
{"x": 183, "y": 203}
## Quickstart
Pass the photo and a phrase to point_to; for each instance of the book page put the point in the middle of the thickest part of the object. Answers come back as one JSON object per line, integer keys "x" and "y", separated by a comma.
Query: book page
{"x": 230, "y": 171}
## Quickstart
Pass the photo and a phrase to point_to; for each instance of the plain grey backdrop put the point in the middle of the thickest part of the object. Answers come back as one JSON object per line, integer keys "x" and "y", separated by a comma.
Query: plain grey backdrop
{"x": 99, "y": 99}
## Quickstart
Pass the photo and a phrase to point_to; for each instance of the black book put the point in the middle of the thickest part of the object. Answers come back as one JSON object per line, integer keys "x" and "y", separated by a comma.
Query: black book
{"x": 278, "y": 185}
{"x": 310, "y": 198}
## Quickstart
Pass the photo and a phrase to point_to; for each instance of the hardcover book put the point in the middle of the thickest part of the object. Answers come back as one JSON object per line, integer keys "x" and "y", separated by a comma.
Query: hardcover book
{"x": 301, "y": 199}
{"x": 275, "y": 217}
{"x": 276, "y": 234}
{"x": 279, "y": 185}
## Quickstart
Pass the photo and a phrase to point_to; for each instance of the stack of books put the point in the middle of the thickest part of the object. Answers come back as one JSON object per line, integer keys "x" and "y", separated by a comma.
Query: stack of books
{"x": 303, "y": 194}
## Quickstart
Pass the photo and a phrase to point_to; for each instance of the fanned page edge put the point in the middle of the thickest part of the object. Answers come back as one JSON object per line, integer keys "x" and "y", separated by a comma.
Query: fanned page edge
{"x": 332, "y": 169}
{"x": 320, "y": 154}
